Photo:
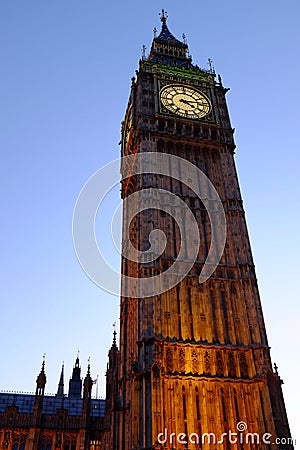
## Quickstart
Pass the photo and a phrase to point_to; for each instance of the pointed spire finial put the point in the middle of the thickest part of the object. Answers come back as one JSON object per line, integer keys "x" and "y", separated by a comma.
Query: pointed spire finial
{"x": 44, "y": 361}
{"x": 60, "y": 389}
{"x": 155, "y": 32}
{"x": 184, "y": 38}
{"x": 89, "y": 367}
{"x": 163, "y": 16}
{"x": 114, "y": 334}
{"x": 211, "y": 67}
{"x": 77, "y": 360}
{"x": 144, "y": 52}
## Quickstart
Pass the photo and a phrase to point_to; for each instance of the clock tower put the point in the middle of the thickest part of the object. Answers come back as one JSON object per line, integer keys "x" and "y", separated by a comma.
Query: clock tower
{"x": 193, "y": 369}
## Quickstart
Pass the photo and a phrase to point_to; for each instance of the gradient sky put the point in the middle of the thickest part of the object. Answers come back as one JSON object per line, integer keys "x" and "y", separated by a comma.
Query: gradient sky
{"x": 65, "y": 78}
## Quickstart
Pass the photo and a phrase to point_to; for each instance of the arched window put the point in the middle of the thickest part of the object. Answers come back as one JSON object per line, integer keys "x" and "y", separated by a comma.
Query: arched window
{"x": 19, "y": 442}
{"x": 95, "y": 444}
{"x": 70, "y": 443}
{"x": 45, "y": 442}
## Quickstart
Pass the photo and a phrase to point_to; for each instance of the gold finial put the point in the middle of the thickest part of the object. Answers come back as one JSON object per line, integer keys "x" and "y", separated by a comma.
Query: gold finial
{"x": 163, "y": 16}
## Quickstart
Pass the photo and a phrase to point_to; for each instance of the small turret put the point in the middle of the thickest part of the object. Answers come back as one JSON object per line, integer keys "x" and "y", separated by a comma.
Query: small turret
{"x": 87, "y": 384}
{"x": 37, "y": 407}
{"x": 41, "y": 380}
{"x": 112, "y": 403}
{"x": 86, "y": 410}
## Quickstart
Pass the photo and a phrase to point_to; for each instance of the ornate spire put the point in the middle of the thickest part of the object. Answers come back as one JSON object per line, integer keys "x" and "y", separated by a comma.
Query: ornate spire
{"x": 144, "y": 48}
{"x": 60, "y": 389}
{"x": 165, "y": 34}
{"x": 42, "y": 372}
{"x": 114, "y": 344}
{"x": 77, "y": 360}
{"x": 88, "y": 383}
{"x": 166, "y": 49}
{"x": 41, "y": 379}
{"x": 163, "y": 16}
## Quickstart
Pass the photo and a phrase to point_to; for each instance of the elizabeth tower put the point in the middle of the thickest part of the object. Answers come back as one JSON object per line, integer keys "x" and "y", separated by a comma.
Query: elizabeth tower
{"x": 194, "y": 359}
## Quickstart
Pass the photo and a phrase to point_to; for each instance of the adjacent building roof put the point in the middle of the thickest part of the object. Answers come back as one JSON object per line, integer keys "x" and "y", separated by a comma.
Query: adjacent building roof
{"x": 51, "y": 403}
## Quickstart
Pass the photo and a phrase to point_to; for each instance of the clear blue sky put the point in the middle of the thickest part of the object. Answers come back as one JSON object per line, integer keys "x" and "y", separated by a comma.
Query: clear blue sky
{"x": 65, "y": 79}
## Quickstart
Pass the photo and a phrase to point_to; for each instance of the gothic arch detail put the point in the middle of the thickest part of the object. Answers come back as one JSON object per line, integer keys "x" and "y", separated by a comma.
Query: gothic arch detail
{"x": 169, "y": 360}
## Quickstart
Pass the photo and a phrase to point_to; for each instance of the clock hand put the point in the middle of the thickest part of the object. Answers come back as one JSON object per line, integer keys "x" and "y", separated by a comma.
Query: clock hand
{"x": 182, "y": 100}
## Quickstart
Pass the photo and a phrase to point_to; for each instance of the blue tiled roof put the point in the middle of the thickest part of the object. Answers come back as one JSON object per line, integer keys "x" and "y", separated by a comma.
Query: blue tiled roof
{"x": 166, "y": 35}
{"x": 25, "y": 403}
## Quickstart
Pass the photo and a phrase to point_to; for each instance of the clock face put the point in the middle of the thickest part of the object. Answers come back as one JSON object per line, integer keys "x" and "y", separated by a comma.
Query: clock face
{"x": 185, "y": 101}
